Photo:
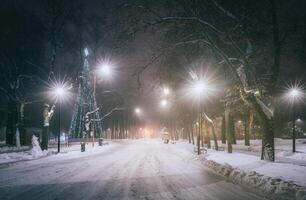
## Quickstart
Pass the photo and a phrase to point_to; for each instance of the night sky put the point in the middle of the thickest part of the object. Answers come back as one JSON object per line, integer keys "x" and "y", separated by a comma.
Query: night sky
{"x": 130, "y": 35}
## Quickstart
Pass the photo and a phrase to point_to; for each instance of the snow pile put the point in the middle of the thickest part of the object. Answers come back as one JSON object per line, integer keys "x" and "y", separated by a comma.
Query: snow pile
{"x": 241, "y": 171}
{"x": 291, "y": 155}
{"x": 36, "y": 151}
{"x": 7, "y": 149}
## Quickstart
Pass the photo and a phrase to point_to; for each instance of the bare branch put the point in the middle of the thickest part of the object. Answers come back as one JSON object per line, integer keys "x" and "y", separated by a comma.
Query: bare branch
{"x": 107, "y": 114}
{"x": 229, "y": 14}
{"x": 194, "y": 19}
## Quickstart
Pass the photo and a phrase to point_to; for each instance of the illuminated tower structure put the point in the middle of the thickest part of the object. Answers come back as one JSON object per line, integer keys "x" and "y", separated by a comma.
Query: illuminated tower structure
{"x": 85, "y": 102}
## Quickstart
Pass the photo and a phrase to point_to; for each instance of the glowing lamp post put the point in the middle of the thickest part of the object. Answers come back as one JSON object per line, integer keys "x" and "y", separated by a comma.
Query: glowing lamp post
{"x": 105, "y": 71}
{"x": 294, "y": 94}
{"x": 198, "y": 89}
{"x": 60, "y": 92}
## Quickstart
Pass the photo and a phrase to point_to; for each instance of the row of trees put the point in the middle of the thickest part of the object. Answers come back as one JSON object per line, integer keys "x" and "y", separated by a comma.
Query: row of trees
{"x": 41, "y": 43}
{"x": 241, "y": 42}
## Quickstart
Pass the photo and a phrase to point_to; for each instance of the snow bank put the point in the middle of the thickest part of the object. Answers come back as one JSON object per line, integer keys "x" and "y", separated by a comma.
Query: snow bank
{"x": 264, "y": 176}
{"x": 34, "y": 153}
{"x": 7, "y": 149}
{"x": 281, "y": 189}
{"x": 291, "y": 155}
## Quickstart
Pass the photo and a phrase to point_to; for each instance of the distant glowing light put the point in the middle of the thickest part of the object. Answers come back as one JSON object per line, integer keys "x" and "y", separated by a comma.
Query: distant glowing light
{"x": 299, "y": 120}
{"x": 164, "y": 103}
{"x": 166, "y": 91}
{"x": 137, "y": 110}
{"x": 239, "y": 121}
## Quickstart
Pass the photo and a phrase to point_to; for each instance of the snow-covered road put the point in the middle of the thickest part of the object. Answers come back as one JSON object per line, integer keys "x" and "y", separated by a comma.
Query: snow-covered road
{"x": 139, "y": 169}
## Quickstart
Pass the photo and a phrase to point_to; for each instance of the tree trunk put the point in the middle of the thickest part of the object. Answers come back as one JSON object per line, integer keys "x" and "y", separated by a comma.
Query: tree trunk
{"x": 232, "y": 130}
{"x": 20, "y": 123}
{"x": 45, "y": 138}
{"x": 223, "y": 134}
{"x": 227, "y": 130}
{"x": 192, "y": 134}
{"x": 248, "y": 123}
{"x": 12, "y": 117}
{"x": 266, "y": 123}
{"x": 207, "y": 135}
{"x": 214, "y": 137}
{"x": 17, "y": 137}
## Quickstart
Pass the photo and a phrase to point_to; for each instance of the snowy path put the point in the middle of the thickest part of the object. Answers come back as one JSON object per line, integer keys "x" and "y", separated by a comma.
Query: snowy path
{"x": 143, "y": 169}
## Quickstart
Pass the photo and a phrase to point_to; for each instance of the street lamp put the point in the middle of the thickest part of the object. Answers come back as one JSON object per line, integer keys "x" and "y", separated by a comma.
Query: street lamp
{"x": 60, "y": 93}
{"x": 294, "y": 94}
{"x": 198, "y": 89}
{"x": 105, "y": 71}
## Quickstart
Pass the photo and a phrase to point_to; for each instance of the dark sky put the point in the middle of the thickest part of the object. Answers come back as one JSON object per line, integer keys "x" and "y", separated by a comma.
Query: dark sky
{"x": 119, "y": 31}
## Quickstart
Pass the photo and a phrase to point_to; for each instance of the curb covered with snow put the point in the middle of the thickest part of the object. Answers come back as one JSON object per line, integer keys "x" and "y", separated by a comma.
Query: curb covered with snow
{"x": 279, "y": 188}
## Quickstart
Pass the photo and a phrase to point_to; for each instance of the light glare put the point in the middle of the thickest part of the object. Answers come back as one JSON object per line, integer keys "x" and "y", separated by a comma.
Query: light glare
{"x": 164, "y": 103}
{"x": 199, "y": 87}
{"x": 137, "y": 110}
{"x": 294, "y": 92}
{"x": 105, "y": 70}
{"x": 166, "y": 91}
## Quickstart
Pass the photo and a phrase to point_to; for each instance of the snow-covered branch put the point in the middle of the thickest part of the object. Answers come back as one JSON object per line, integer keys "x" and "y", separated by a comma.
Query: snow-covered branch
{"x": 268, "y": 112}
{"x": 107, "y": 114}
{"x": 92, "y": 112}
{"x": 207, "y": 118}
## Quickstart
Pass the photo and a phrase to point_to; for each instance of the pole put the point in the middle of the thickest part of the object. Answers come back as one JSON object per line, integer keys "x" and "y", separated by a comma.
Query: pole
{"x": 59, "y": 126}
{"x": 199, "y": 134}
{"x": 293, "y": 128}
{"x": 94, "y": 116}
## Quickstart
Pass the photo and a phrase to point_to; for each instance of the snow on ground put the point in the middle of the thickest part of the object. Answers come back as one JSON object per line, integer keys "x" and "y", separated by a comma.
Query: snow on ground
{"x": 286, "y": 177}
{"x": 35, "y": 152}
{"x": 129, "y": 169}
{"x": 9, "y": 149}
{"x": 285, "y": 171}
